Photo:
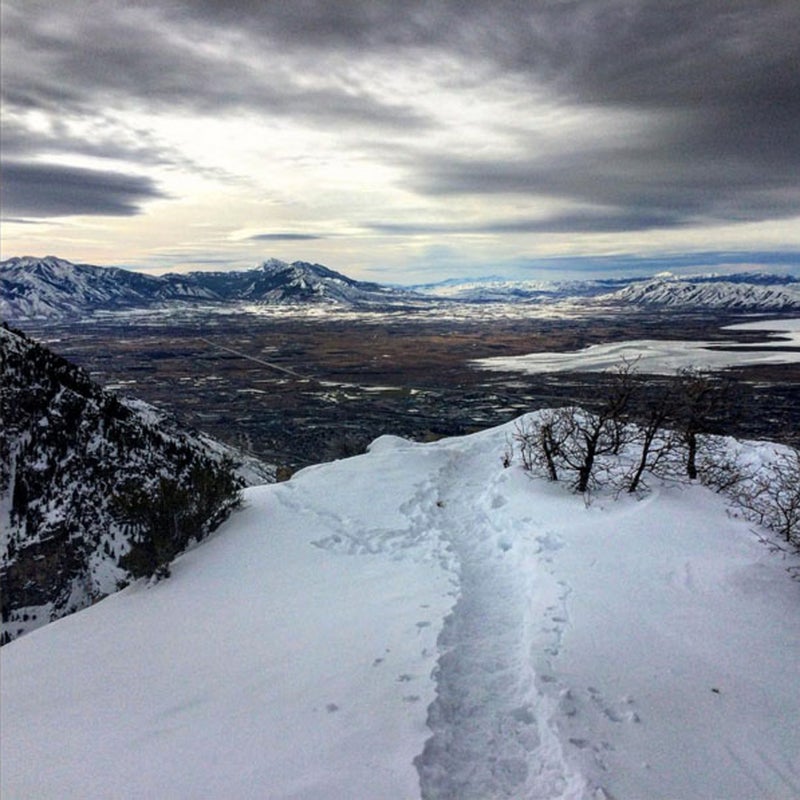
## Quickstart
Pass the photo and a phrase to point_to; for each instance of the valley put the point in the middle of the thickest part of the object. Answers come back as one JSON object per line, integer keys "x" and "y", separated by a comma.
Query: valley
{"x": 296, "y": 388}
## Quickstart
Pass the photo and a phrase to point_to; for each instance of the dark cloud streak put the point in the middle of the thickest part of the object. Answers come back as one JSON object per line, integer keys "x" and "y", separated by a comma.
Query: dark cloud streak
{"x": 45, "y": 190}
{"x": 583, "y": 222}
{"x": 284, "y": 237}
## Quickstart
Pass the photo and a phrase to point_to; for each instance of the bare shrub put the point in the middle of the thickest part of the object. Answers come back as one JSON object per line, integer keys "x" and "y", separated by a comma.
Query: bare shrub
{"x": 701, "y": 400}
{"x": 541, "y": 441}
{"x": 772, "y": 497}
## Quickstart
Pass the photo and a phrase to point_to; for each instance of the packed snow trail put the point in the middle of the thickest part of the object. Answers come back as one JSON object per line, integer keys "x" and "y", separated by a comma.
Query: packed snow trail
{"x": 492, "y": 731}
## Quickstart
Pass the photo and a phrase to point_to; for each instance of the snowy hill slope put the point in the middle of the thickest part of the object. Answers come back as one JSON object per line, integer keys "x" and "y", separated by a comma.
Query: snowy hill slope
{"x": 421, "y": 622}
{"x": 73, "y": 458}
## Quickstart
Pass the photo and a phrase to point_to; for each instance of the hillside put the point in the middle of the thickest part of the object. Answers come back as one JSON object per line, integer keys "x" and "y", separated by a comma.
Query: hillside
{"x": 420, "y": 621}
{"x": 84, "y": 480}
{"x": 277, "y": 283}
{"x": 35, "y": 288}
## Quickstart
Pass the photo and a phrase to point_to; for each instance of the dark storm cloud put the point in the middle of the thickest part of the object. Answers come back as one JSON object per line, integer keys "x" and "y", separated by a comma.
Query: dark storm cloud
{"x": 44, "y": 190}
{"x": 716, "y": 84}
{"x": 638, "y": 182}
{"x": 284, "y": 237}
{"x": 92, "y": 54}
{"x": 714, "y": 56}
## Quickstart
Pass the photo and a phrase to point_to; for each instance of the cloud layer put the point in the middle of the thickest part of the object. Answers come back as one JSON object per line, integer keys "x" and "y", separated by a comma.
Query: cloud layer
{"x": 479, "y": 118}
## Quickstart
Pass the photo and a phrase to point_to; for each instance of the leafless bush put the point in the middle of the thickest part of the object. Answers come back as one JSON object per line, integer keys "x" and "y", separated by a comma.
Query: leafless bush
{"x": 568, "y": 440}
{"x": 644, "y": 428}
{"x": 541, "y": 442}
{"x": 700, "y": 399}
{"x": 655, "y": 444}
{"x": 719, "y": 470}
{"x": 772, "y": 497}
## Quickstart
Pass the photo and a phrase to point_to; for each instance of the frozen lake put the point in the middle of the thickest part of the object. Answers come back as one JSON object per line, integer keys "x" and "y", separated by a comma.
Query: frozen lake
{"x": 664, "y": 357}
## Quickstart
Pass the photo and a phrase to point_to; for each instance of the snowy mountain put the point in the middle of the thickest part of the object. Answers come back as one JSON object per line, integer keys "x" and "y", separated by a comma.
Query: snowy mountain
{"x": 739, "y": 295}
{"x": 82, "y": 474}
{"x": 742, "y": 292}
{"x": 421, "y": 622}
{"x": 278, "y": 283}
{"x": 52, "y": 287}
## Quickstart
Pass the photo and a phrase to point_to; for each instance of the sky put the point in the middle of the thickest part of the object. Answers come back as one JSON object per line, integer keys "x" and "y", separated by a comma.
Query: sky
{"x": 404, "y": 141}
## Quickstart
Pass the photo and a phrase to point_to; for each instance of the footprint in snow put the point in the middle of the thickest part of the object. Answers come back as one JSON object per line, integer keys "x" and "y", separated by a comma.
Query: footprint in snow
{"x": 504, "y": 544}
{"x": 549, "y": 541}
{"x": 624, "y": 712}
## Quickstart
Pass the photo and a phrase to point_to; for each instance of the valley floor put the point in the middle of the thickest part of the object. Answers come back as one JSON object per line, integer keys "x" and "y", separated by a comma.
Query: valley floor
{"x": 417, "y": 622}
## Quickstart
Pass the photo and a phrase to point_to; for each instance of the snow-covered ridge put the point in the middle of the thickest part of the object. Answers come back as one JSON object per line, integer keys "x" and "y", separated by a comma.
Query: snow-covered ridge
{"x": 745, "y": 291}
{"x": 717, "y": 294}
{"x": 419, "y": 622}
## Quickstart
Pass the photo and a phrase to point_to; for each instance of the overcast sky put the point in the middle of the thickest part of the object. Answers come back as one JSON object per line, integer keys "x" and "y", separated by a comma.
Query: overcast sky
{"x": 403, "y": 141}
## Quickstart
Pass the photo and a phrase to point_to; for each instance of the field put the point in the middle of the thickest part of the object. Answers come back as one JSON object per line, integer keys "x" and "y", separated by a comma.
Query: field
{"x": 299, "y": 388}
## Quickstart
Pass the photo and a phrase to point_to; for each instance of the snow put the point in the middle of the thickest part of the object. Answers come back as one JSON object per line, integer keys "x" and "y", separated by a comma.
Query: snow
{"x": 665, "y": 357}
{"x": 421, "y": 622}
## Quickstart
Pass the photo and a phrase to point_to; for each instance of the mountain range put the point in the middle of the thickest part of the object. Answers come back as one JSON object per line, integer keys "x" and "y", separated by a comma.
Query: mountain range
{"x": 51, "y": 287}
{"x": 746, "y": 291}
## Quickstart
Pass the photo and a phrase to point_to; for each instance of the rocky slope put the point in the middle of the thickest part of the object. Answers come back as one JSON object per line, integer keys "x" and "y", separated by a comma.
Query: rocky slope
{"x": 94, "y": 489}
